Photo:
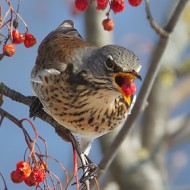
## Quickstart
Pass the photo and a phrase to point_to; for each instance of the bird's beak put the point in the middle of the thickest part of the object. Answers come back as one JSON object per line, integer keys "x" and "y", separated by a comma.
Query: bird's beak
{"x": 121, "y": 79}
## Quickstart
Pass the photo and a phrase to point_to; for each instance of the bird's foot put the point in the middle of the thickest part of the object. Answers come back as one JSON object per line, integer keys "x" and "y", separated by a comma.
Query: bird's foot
{"x": 90, "y": 174}
{"x": 89, "y": 171}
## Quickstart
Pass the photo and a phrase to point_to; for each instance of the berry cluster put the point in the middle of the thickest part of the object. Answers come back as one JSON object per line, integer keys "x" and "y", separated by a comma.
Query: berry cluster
{"x": 9, "y": 33}
{"x": 31, "y": 176}
{"x": 34, "y": 171}
{"x": 114, "y": 5}
{"x": 17, "y": 38}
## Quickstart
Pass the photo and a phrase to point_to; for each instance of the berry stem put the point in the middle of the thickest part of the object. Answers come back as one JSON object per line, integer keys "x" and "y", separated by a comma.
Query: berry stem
{"x": 31, "y": 144}
{"x": 5, "y": 185}
{"x": 17, "y": 14}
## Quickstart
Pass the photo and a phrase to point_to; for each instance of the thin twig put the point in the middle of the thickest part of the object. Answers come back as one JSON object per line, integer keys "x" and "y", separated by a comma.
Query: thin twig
{"x": 26, "y": 26}
{"x": 13, "y": 119}
{"x": 3, "y": 19}
{"x": 159, "y": 30}
{"x": 4, "y": 113}
{"x": 145, "y": 90}
{"x": 5, "y": 185}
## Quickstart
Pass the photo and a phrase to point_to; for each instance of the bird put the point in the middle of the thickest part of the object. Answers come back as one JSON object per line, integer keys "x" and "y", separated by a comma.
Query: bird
{"x": 84, "y": 87}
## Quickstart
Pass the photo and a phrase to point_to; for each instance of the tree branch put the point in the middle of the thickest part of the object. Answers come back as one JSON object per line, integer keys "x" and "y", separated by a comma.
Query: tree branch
{"x": 159, "y": 30}
{"x": 4, "y": 114}
{"x": 14, "y": 95}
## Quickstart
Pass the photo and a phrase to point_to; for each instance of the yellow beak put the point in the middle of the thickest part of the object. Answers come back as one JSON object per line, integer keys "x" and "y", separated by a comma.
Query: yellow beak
{"x": 119, "y": 79}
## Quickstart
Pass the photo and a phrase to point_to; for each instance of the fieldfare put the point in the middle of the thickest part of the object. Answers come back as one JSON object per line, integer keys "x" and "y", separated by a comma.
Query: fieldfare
{"x": 85, "y": 88}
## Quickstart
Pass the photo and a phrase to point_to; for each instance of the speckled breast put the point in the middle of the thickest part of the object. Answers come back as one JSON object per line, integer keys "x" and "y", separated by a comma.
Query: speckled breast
{"x": 82, "y": 110}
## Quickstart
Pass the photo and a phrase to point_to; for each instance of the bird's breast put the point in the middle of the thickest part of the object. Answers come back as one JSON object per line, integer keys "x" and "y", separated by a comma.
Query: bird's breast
{"x": 84, "y": 111}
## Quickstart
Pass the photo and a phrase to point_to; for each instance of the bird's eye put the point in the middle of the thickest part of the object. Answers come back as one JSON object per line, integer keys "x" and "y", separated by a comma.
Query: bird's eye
{"x": 109, "y": 63}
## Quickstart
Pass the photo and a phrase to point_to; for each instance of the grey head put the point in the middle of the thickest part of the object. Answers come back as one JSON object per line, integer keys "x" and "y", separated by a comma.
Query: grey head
{"x": 110, "y": 59}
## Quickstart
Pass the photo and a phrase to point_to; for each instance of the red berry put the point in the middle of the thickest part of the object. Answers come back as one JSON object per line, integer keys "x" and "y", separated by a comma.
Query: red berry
{"x": 42, "y": 165}
{"x": 39, "y": 174}
{"x": 135, "y": 2}
{"x": 81, "y": 4}
{"x": 9, "y": 50}
{"x": 15, "y": 34}
{"x": 31, "y": 181}
{"x": 100, "y": 5}
{"x": 29, "y": 41}
{"x": 108, "y": 24}
{"x": 128, "y": 87}
{"x": 16, "y": 177}
{"x": 17, "y": 37}
{"x": 24, "y": 169}
{"x": 101, "y": 1}
{"x": 117, "y": 5}
{"x": 21, "y": 39}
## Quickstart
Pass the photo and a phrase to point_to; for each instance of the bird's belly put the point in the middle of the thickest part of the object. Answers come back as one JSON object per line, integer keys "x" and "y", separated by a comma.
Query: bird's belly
{"x": 80, "y": 112}
{"x": 86, "y": 123}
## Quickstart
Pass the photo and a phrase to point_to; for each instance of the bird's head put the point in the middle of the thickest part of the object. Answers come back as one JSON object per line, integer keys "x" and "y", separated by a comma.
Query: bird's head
{"x": 116, "y": 67}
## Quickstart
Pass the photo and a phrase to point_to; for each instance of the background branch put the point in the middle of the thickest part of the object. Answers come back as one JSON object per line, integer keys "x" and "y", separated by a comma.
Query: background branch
{"x": 181, "y": 92}
{"x": 178, "y": 130}
{"x": 153, "y": 24}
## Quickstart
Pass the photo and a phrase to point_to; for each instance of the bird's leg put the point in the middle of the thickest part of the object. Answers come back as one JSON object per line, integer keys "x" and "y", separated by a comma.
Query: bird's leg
{"x": 84, "y": 162}
{"x": 89, "y": 169}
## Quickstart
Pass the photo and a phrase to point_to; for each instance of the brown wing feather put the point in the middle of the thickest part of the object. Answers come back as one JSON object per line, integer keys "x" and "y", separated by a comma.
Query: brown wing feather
{"x": 56, "y": 49}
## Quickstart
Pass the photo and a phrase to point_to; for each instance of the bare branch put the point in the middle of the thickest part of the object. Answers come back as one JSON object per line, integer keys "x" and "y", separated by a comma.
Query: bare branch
{"x": 16, "y": 96}
{"x": 164, "y": 32}
{"x": 159, "y": 30}
{"x": 5, "y": 185}
{"x": 4, "y": 113}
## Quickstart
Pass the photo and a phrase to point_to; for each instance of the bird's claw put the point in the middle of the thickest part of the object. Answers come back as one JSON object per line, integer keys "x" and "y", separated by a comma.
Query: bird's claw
{"x": 90, "y": 172}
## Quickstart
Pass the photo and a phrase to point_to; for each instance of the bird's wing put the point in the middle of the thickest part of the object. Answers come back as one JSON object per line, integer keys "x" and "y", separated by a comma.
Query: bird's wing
{"x": 57, "y": 48}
